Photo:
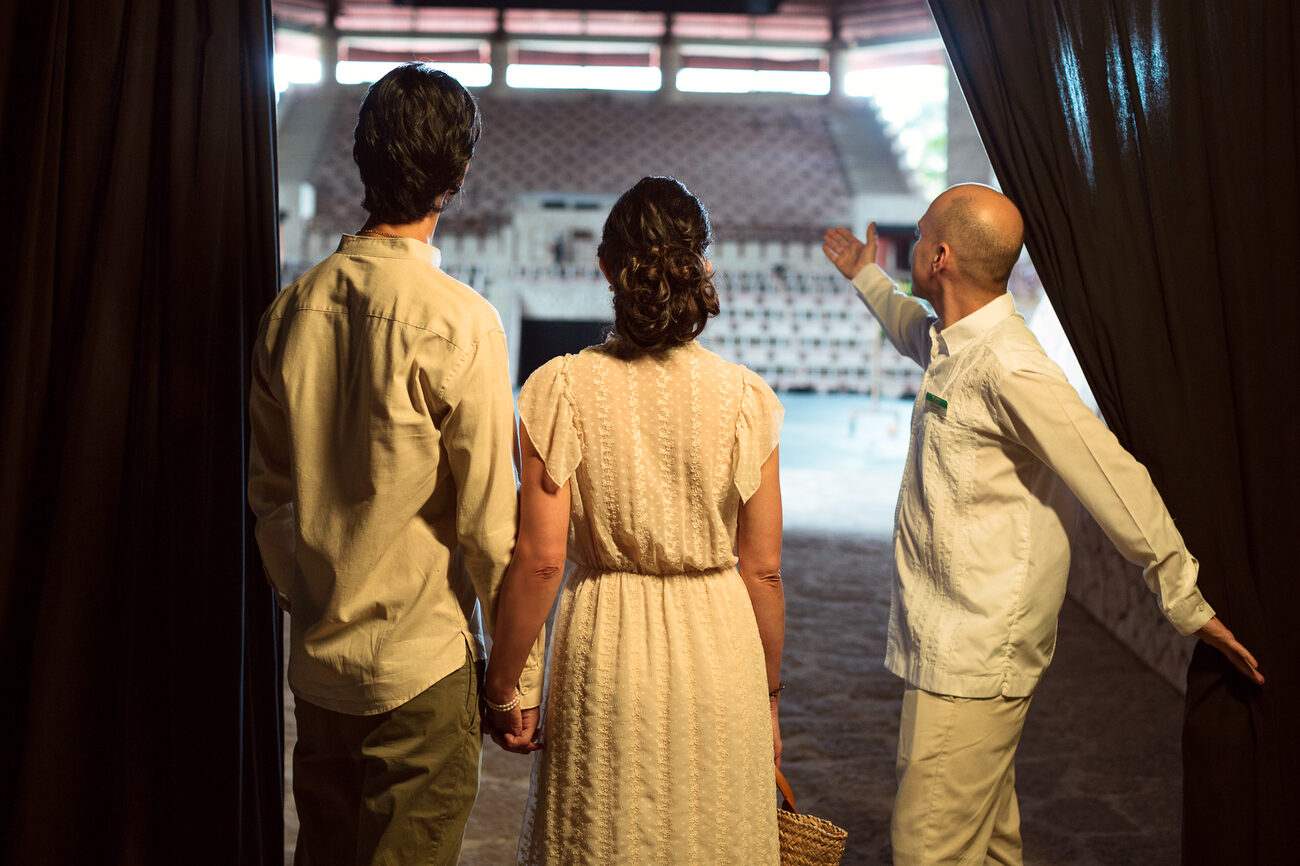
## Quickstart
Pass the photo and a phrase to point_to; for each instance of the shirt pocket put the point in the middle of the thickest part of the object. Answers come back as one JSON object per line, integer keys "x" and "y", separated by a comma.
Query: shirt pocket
{"x": 989, "y": 559}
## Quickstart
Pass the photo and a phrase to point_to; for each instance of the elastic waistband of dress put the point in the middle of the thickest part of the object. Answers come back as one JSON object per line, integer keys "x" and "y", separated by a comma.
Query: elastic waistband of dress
{"x": 587, "y": 571}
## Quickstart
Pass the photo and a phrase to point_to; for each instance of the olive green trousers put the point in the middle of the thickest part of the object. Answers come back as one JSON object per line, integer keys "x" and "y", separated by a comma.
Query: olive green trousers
{"x": 393, "y": 788}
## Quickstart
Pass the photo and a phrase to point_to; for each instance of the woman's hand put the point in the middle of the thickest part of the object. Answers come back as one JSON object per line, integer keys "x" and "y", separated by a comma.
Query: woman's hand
{"x": 774, "y": 702}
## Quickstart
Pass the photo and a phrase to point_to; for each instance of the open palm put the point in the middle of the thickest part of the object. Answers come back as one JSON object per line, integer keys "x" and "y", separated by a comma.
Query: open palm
{"x": 847, "y": 253}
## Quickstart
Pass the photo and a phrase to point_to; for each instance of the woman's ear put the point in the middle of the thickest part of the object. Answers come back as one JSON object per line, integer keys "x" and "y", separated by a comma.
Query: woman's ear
{"x": 604, "y": 270}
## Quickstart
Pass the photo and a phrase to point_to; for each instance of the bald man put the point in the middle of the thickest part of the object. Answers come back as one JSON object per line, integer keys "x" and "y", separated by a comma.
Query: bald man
{"x": 1002, "y": 453}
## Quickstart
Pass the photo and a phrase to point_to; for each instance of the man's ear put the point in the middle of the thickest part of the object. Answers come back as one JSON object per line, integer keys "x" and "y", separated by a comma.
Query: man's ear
{"x": 942, "y": 258}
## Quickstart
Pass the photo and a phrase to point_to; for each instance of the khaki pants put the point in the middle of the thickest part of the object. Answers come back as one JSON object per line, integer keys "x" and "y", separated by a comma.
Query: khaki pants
{"x": 956, "y": 780}
{"x": 393, "y": 788}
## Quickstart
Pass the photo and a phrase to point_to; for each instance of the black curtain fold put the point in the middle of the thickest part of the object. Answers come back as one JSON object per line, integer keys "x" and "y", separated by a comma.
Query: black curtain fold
{"x": 1152, "y": 147}
{"x": 140, "y": 642}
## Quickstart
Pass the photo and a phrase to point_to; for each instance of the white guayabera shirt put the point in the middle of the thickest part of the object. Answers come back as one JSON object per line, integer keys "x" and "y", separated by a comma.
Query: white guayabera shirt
{"x": 983, "y": 525}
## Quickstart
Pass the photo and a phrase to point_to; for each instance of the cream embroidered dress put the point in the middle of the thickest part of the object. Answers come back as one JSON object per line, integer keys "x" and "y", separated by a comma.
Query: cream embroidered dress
{"x": 658, "y": 736}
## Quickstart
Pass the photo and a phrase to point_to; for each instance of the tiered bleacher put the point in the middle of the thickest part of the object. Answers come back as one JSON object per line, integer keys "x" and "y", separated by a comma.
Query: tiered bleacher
{"x": 805, "y": 332}
{"x": 769, "y": 173}
{"x": 766, "y": 172}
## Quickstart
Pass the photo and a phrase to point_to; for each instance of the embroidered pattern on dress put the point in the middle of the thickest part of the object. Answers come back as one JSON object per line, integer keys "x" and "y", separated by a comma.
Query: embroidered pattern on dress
{"x": 656, "y": 719}
{"x": 640, "y": 526}
{"x": 695, "y": 471}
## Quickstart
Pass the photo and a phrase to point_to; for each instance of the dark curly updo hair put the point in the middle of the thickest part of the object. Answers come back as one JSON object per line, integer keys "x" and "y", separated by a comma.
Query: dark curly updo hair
{"x": 652, "y": 250}
{"x": 416, "y": 132}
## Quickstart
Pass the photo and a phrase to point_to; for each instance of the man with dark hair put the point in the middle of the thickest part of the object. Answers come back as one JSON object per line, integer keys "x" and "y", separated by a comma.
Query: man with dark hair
{"x": 1001, "y": 447}
{"x": 381, "y": 473}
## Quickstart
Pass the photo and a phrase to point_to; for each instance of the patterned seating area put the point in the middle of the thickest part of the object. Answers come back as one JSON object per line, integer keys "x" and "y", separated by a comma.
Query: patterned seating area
{"x": 806, "y": 332}
{"x": 766, "y": 172}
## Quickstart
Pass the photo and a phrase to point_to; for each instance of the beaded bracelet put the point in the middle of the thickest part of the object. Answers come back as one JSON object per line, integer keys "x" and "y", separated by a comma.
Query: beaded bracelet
{"x": 504, "y": 708}
{"x": 776, "y": 691}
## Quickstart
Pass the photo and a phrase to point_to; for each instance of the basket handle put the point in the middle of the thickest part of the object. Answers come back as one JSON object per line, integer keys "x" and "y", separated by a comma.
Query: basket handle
{"x": 784, "y": 787}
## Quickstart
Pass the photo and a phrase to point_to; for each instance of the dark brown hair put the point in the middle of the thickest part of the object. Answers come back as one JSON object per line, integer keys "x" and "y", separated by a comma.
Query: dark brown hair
{"x": 653, "y": 251}
{"x": 415, "y": 135}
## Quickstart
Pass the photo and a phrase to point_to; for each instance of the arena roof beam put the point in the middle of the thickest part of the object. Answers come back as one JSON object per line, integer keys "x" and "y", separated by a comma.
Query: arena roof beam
{"x": 724, "y": 7}
{"x": 883, "y": 39}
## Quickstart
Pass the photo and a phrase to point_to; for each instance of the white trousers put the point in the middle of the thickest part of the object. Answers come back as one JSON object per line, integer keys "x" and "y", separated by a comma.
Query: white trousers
{"x": 956, "y": 780}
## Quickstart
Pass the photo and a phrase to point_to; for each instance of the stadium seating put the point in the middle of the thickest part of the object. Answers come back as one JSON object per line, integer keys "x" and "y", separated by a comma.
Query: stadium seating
{"x": 768, "y": 171}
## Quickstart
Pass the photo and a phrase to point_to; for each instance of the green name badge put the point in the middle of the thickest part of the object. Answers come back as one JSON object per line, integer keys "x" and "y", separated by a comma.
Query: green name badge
{"x": 936, "y": 401}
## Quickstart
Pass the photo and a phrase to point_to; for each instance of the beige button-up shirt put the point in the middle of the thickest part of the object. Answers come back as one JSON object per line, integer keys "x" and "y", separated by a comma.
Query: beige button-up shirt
{"x": 381, "y": 472}
{"x": 983, "y": 527}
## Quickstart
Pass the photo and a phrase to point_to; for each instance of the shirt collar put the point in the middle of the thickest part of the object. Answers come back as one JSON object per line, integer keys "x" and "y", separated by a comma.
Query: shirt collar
{"x": 964, "y": 331}
{"x": 390, "y": 248}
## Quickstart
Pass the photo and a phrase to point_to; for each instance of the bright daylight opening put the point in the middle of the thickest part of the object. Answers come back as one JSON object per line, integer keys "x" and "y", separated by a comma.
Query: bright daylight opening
{"x": 366, "y": 71}
{"x": 536, "y": 75}
{"x": 697, "y": 80}
{"x": 913, "y": 103}
{"x": 290, "y": 70}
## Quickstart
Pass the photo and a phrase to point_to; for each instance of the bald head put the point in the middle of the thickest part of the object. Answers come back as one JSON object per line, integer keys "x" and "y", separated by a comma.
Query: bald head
{"x": 983, "y": 229}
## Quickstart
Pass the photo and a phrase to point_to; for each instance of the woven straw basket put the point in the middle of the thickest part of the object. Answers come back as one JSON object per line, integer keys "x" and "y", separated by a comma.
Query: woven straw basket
{"x": 805, "y": 840}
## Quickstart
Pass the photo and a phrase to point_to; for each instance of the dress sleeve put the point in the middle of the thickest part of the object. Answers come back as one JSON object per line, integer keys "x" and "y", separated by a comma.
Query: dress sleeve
{"x": 546, "y": 409}
{"x": 758, "y": 430}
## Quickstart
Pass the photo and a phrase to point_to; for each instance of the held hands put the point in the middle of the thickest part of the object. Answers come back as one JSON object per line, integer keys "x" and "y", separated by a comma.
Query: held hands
{"x": 1216, "y": 634}
{"x": 847, "y": 253}
{"x": 514, "y": 730}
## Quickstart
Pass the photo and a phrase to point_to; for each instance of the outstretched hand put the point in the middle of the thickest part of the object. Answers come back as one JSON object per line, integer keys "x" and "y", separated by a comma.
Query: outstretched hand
{"x": 847, "y": 253}
{"x": 514, "y": 730}
{"x": 1216, "y": 634}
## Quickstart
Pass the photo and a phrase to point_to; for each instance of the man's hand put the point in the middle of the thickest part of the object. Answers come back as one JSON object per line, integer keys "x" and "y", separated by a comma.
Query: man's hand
{"x": 515, "y": 729}
{"x": 848, "y": 253}
{"x": 1216, "y": 634}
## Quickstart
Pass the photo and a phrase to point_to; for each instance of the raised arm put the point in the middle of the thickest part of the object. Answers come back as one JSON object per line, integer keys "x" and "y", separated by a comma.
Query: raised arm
{"x": 527, "y": 594}
{"x": 1047, "y": 416}
{"x": 905, "y": 319}
{"x": 758, "y": 546}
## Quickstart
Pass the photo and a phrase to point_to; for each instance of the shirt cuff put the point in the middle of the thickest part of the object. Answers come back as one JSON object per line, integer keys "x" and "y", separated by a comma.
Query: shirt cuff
{"x": 1190, "y": 612}
{"x": 533, "y": 675}
{"x": 872, "y": 282}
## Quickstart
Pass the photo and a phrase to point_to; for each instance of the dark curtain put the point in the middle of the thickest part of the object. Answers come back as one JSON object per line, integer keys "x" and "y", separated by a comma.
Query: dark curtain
{"x": 138, "y": 641}
{"x": 1152, "y": 146}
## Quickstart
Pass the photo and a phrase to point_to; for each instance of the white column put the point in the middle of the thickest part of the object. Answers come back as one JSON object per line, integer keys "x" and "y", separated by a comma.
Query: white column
{"x": 329, "y": 55}
{"x": 837, "y": 57}
{"x": 499, "y": 48}
{"x": 670, "y": 61}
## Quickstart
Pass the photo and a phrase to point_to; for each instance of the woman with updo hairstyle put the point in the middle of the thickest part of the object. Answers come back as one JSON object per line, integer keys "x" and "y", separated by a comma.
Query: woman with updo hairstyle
{"x": 652, "y": 253}
{"x": 651, "y": 464}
